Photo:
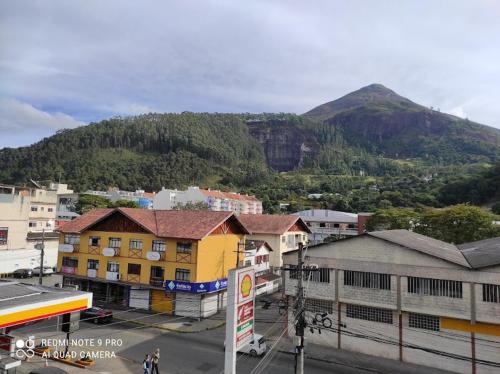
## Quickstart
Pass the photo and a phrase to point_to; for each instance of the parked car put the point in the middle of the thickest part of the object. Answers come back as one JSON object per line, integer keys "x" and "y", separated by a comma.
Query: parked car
{"x": 47, "y": 270}
{"x": 97, "y": 315}
{"x": 256, "y": 347}
{"x": 23, "y": 273}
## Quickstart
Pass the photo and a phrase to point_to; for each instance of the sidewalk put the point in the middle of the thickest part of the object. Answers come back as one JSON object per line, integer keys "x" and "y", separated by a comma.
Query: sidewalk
{"x": 359, "y": 361}
{"x": 168, "y": 322}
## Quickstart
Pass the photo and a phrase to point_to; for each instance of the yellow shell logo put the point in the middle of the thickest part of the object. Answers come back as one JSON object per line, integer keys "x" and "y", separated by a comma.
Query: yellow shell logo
{"x": 246, "y": 285}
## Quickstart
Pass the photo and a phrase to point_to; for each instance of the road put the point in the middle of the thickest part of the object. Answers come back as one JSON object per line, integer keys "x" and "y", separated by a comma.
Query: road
{"x": 203, "y": 352}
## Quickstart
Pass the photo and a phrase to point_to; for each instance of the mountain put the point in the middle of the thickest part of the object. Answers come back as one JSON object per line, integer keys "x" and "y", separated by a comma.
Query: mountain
{"x": 380, "y": 121}
{"x": 366, "y": 132}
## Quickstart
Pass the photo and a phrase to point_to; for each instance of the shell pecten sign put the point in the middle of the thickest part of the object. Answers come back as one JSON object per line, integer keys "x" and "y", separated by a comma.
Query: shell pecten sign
{"x": 246, "y": 285}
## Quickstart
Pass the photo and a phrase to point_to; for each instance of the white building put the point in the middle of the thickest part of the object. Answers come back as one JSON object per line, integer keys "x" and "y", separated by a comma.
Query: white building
{"x": 283, "y": 233}
{"x": 215, "y": 200}
{"x": 27, "y": 214}
{"x": 142, "y": 198}
{"x": 257, "y": 254}
{"x": 328, "y": 224}
{"x": 400, "y": 295}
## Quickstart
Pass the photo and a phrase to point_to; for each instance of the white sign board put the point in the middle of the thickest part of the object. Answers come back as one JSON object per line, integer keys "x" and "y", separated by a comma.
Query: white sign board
{"x": 108, "y": 252}
{"x": 239, "y": 314}
{"x": 153, "y": 256}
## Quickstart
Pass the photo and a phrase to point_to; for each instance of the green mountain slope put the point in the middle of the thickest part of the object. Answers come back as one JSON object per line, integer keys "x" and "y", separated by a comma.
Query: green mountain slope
{"x": 382, "y": 122}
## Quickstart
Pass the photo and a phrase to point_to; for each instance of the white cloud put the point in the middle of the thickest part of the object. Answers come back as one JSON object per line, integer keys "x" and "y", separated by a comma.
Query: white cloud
{"x": 16, "y": 115}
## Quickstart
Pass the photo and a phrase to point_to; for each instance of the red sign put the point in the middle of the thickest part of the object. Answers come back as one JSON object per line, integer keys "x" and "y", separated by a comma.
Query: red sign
{"x": 243, "y": 337}
{"x": 245, "y": 312}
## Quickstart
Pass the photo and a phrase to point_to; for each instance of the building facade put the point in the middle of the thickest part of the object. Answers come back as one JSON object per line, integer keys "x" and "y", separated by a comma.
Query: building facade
{"x": 282, "y": 233}
{"x": 167, "y": 261}
{"x": 257, "y": 254}
{"x": 215, "y": 200}
{"x": 404, "y": 296}
{"x": 142, "y": 198}
{"x": 332, "y": 224}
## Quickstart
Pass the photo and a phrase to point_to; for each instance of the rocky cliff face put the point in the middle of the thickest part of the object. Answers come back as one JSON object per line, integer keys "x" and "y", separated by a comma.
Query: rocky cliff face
{"x": 285, "y": 145}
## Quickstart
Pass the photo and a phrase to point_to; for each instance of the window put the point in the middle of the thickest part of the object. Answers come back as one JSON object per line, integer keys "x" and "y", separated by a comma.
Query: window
{"x": 42, "y": 209}
{"x": 159, "y": 246}
{"x": 113, "y": 267}
{"x": 313, "y": 274}
{"x": 184, "y": 247}
{"x": 258, "y": 260}
{"x": 283, "y": 239}
{"x": 135, "y": 244}
{"x": 4, "y": 233}
{"x": 182, "y": 275}
{"x": 369, "y": 313}
{"x": 318, "y": 306}
{"x": 115, "y": 242}
{"x": 92, "y": 264}
{"x": 435, "y": 287}
{"x": 32, "y": 224}
{"x": 70, "y": 262}
{"x": 265, "y": 258}
{"x": 94, "y": 241}
{"x": 50, "y": 210}
{"x": 47, "y": 224}
{"x": 134, "y": 269}
{"x": 322, "y": 224}
{"x": 248, "y": 263}
{"x": 491, "y": 293}
{"x": 367, "y": 280}
{"x": 157, "y": 272}
{"x": 350, "y": 226}
{"x": 336, "y": 225}
{"x": 423, "y": 321}
{"x": 34, "y": 209}
{"x": 71, "y": 239}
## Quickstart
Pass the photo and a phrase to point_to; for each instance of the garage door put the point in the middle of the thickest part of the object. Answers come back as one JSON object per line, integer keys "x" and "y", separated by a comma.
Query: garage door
{"x": 162, "y": 302}
{"x": 139, "y": 298}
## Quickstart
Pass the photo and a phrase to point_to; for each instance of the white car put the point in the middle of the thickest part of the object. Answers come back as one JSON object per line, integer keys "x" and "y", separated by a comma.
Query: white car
{"x": 256, "y": 347}
{"x": 47, "y": 270}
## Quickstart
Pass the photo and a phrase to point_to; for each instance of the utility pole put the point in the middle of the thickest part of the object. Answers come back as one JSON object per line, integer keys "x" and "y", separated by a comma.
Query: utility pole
{"x": 300, "y": 324}
{"x": 42, "y": 249}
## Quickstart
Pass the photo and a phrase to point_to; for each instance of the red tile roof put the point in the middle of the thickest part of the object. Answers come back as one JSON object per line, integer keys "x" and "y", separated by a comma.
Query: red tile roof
{"x": 183, "y": 224}
{"x": 228, "y": 195}
{"x": 270, "y": 223}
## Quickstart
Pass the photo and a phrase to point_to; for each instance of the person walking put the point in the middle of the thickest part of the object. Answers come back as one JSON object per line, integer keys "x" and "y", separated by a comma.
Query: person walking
{"x": 146, "y": 364}
{"x": 155, "y": 360}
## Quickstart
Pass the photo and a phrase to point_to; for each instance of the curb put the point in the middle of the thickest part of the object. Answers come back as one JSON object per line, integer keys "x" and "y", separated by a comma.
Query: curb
{"x": 159, "y": 326}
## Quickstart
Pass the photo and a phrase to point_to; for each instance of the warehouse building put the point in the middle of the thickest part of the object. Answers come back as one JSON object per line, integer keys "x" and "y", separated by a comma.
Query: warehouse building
{"x": 404, "y": 296}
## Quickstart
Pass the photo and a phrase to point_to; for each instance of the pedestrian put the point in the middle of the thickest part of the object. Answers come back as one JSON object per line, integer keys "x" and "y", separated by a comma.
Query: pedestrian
{"x": 156, "y": 359}
{"x": 146, "y": 364}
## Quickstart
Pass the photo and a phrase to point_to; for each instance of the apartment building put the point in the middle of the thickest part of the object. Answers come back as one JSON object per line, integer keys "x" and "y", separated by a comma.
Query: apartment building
{"x": 404, "y": 296}
{"x": 142, "y": 198}
{"x": 27, "y": 214}
{"x": 257, "y": 254}
{"x": 332, "y": 224}
{"x": 215, "y": 200}
{"x": 283, "y": 233}
{"x": 167, "y": 261}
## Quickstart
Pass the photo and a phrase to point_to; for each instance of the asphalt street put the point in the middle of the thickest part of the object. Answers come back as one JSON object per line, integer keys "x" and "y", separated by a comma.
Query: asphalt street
{"x": 203, "y": 352}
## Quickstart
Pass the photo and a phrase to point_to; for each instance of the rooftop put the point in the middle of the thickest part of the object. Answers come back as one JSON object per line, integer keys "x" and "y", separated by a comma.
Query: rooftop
{"x": 183, "y": 224}
{"x": 326, "y": 215}
{"x": 482, "y": 253}
{"x": 271, "y": 223}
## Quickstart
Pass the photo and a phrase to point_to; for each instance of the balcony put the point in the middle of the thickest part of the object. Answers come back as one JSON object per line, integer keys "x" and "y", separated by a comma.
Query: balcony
{"x": 185, "y": 258}
{"x": 156, "y": 281}
{"x": 68, "y": 270}
{"x": 69, "y": 248}
{"x": 155, "y": 256}
{"x": 91, "y": 273}
{"x": 111, "y": 252}
{"x": 94, "y": 249}
{"x": 135, "y": 253}
{"x": 113, "y": 275}
{"x": 135, "y": 278}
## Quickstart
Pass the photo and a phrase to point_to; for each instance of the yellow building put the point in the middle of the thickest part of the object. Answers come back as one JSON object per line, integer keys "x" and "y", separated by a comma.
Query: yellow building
{"x": 163, "y": 260}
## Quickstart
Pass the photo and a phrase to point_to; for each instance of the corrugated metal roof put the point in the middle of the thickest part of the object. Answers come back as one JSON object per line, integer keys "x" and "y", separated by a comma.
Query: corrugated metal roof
{"x": 482, "y": 253}
{"x": 424, "y": 244}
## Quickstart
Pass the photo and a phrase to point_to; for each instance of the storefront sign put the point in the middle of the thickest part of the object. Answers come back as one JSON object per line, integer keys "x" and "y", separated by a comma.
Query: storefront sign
{"x": 201, "y": 287}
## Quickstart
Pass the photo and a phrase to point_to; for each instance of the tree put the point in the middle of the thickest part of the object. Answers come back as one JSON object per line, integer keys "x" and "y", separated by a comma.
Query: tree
{"x": 89, "y": 202}
{"x": 496, "y": 208}
{"x": 393, "y": 219}
{"x": 457, "y": 224}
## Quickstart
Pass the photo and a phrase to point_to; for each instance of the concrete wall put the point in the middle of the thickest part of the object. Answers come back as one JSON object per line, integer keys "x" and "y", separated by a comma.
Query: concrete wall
{"x": 14, "y": 213}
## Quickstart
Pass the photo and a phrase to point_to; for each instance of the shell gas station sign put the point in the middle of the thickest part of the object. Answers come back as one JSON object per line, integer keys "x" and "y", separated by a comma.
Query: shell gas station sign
{"x": 240, "y": 313}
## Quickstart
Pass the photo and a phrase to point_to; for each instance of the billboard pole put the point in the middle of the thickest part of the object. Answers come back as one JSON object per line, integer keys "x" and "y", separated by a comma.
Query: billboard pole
{"x": 239, "y": 313}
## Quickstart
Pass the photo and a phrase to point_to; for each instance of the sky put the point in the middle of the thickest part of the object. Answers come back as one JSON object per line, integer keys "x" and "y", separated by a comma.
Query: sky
{"x": 68, "y": 63}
